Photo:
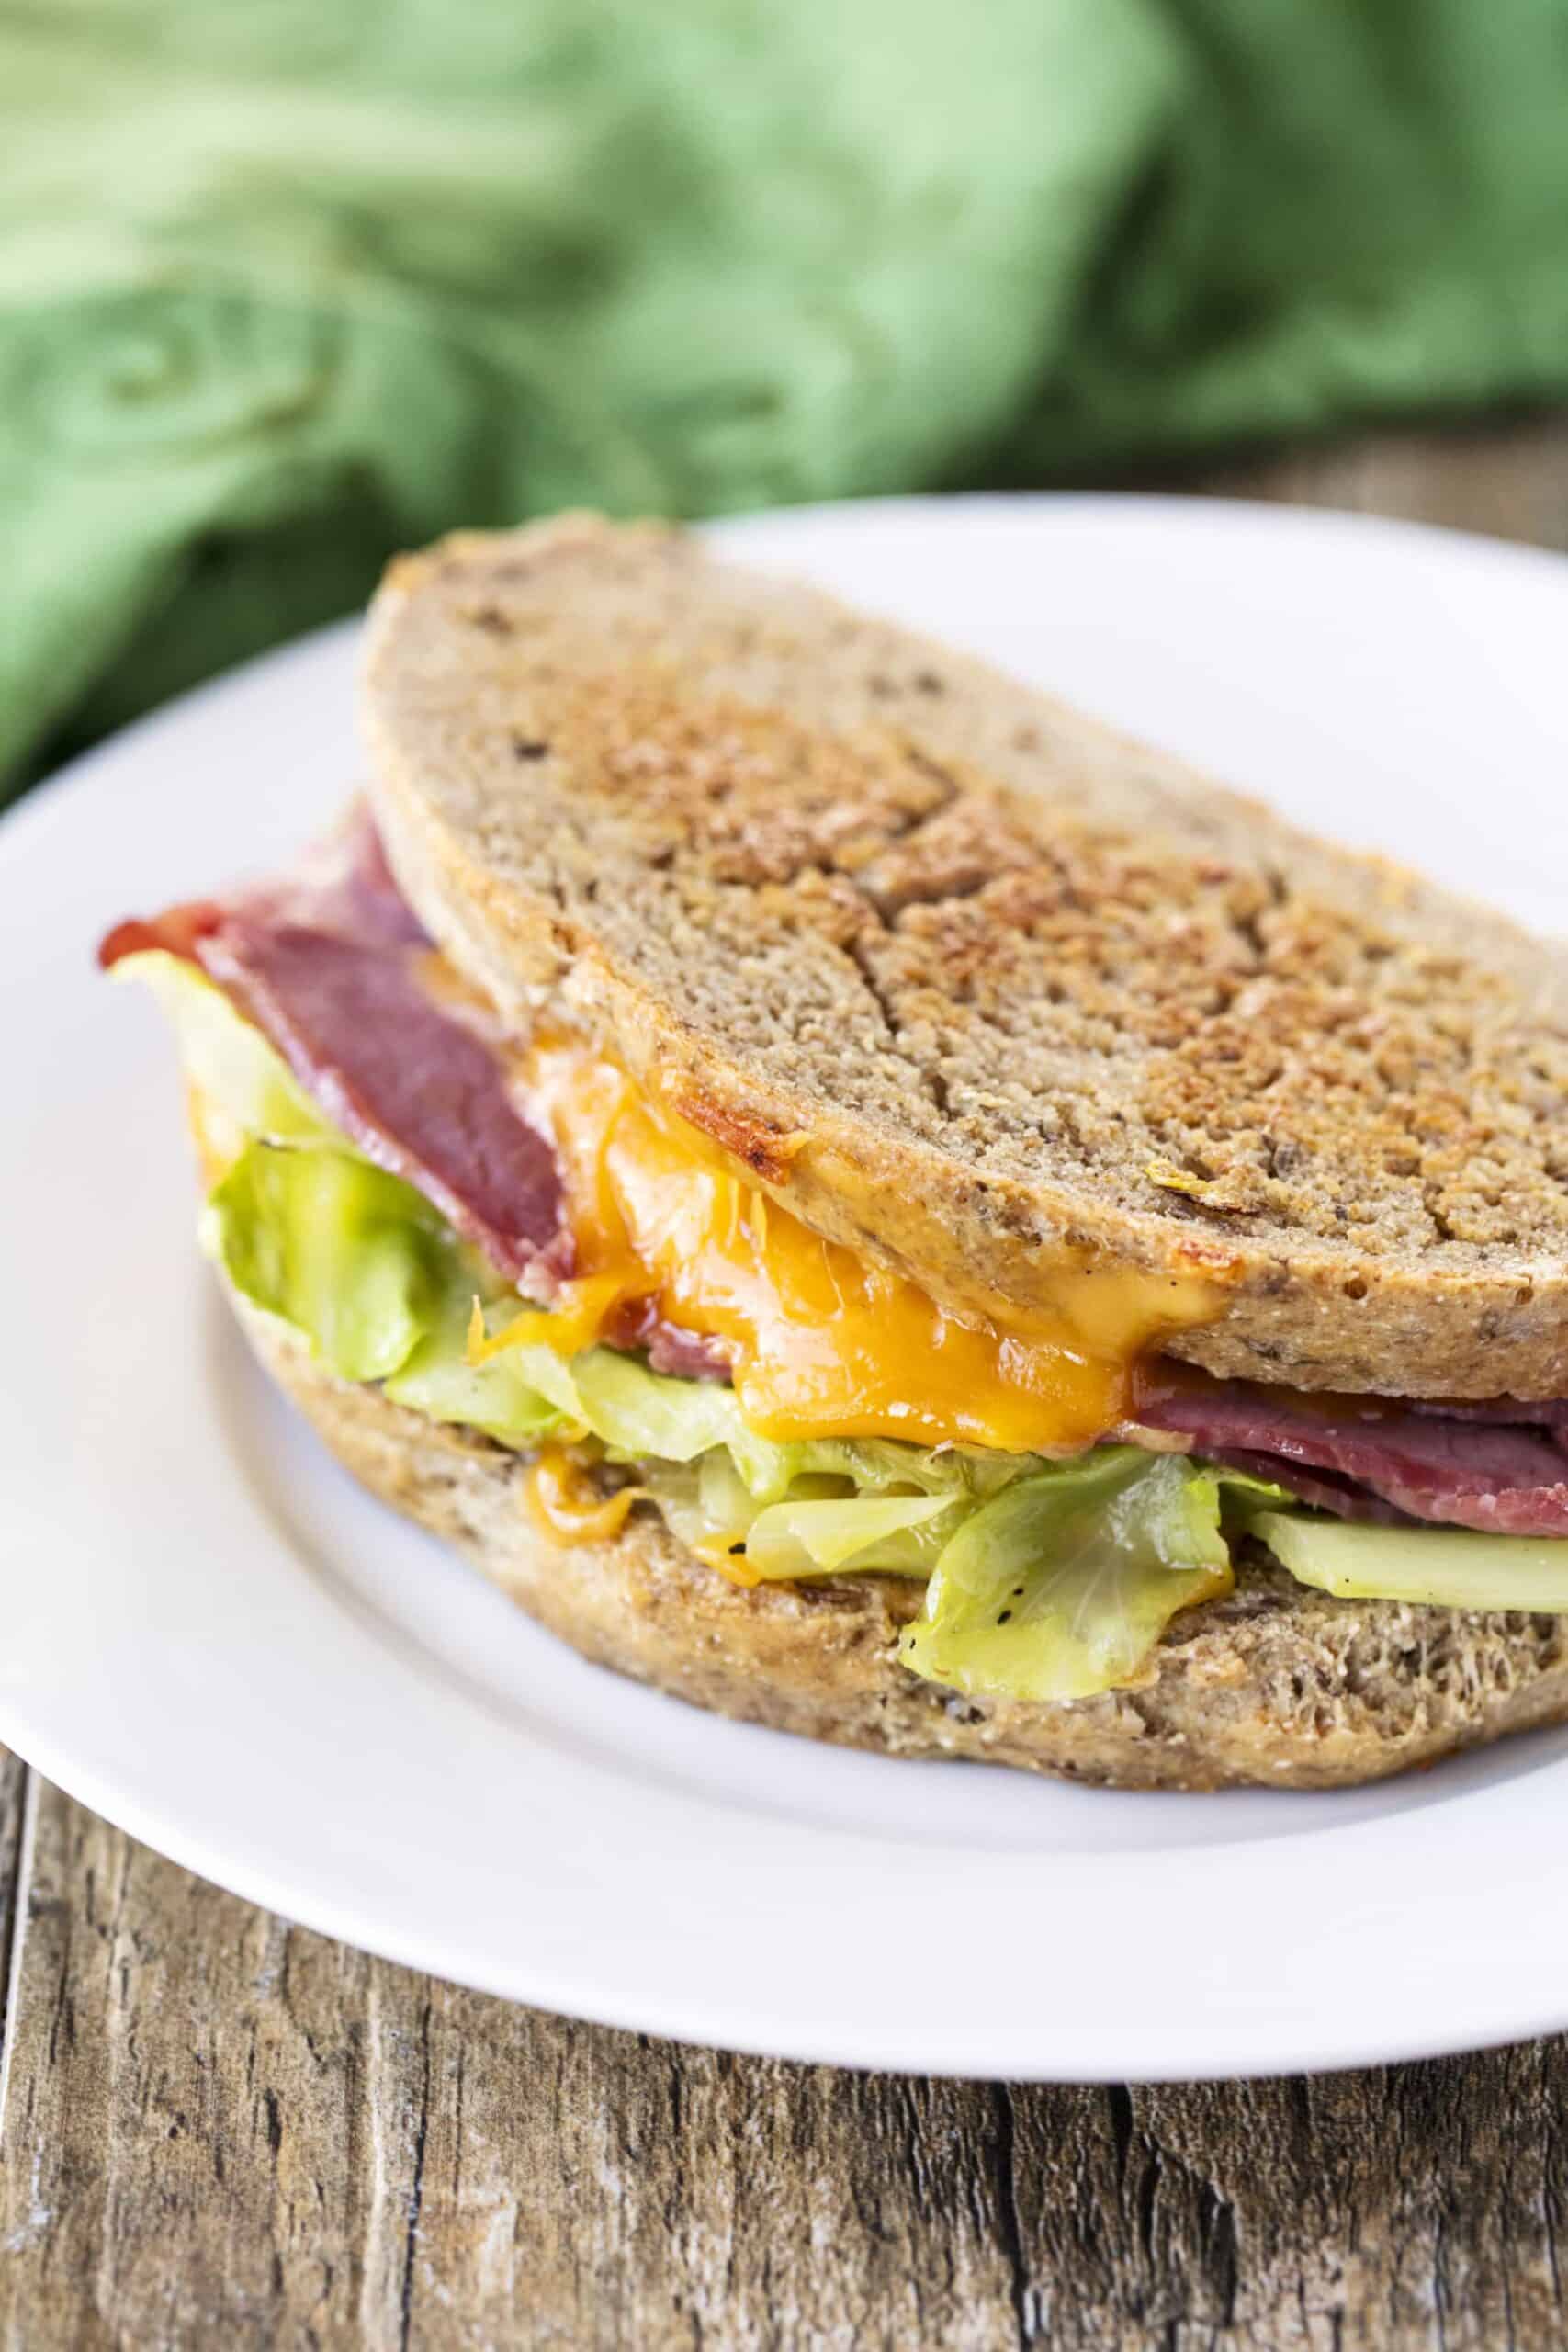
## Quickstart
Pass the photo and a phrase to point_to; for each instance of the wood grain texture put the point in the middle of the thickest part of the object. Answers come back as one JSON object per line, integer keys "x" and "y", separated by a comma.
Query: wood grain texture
{"x": 220, "y": 2131}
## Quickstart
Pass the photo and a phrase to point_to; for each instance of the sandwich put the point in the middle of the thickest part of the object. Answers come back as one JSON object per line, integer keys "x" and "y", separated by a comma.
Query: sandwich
{"x": 872, "y": 1203}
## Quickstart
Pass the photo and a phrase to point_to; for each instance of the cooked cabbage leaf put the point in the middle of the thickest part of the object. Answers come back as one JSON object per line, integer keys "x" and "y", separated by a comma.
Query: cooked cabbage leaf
{"x": 498, "y": 1397}
{"x": 362, "y": 1265}
{"x": 1061, "y": 1585}
{"x": 247, "y": 1089}
{"x": 839, "y": 1514}
{"x": 830, "y": 1535}
{"x": 1447, "y": 1567}
{"x": 341, "y": 1250}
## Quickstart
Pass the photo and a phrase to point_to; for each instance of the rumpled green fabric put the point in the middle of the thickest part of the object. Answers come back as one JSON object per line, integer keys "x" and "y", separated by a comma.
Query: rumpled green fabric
{"x": 286, "y": 284}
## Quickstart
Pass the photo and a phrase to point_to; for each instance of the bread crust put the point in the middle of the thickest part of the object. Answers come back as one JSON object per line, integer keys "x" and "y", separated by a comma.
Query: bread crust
{"x": 1027, "y": 988}
{"x": 1276, "y": 1686}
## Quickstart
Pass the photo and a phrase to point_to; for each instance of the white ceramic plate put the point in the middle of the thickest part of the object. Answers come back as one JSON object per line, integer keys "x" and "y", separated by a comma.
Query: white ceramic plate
{"x": 208, "y": 1635}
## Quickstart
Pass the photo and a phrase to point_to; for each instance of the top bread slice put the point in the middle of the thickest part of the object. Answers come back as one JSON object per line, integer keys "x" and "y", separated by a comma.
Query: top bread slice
{"x": 970, "y": 979}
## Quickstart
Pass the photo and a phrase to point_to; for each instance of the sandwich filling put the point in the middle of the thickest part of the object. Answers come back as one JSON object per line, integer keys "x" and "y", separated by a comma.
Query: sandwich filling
{"x": 516, "y": 1235}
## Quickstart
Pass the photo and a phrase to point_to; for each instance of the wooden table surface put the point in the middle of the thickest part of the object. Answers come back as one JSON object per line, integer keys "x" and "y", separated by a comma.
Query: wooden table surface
{"x": 218, "y": 2129}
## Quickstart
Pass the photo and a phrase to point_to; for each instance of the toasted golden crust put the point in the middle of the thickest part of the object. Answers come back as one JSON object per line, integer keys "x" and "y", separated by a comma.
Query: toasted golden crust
{"x": 1276, "y": 1686}
{"x": 1018, "y": 981}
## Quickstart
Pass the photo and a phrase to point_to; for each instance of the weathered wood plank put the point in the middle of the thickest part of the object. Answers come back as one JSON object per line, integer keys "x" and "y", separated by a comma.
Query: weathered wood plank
{"x": 1413, "y": 2206}
{"x": 13, "y": 1819}
{"x": 182, "y": 2156}
{"x": 633, "y": 2195}
{"x": 221, "y": 2131}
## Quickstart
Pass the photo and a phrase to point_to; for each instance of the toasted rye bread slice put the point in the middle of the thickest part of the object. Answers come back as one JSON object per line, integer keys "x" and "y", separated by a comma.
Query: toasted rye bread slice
{"x": 1019, "y": 982}
{"x": 1275, "y": 1686}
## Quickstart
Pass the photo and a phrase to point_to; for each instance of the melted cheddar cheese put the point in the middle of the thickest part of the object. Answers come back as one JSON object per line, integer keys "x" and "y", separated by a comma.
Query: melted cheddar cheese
{"x": 822, "y": 1340}
{"x": 564, "y": 1506}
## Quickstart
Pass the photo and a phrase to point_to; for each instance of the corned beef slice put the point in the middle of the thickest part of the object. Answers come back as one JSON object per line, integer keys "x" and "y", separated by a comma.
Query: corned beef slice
{"x": 1506, "y": 1476}
{"x": 325, "y": 964}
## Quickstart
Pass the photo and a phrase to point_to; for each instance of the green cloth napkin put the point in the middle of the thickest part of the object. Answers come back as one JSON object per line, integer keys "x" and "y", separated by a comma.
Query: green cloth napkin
{"x": 286, "y": 284}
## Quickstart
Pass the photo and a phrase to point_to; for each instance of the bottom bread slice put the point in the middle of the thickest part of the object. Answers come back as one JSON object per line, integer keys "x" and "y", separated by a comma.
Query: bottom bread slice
{"x": 1275, "y": 1686}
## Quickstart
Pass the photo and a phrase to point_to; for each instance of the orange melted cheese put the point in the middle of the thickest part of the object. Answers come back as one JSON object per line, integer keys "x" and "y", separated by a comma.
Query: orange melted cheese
{"x": 565, "y": 1506}
{"x": 822, "y": 1340}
